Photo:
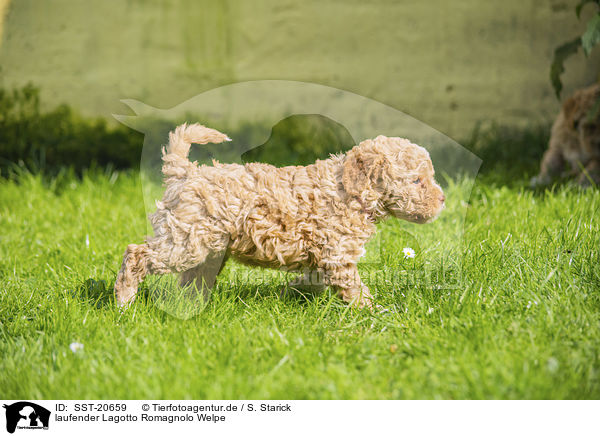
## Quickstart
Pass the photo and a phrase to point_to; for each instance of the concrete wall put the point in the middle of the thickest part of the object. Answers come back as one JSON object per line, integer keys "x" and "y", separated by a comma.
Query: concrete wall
{"x": 449, "y": 64}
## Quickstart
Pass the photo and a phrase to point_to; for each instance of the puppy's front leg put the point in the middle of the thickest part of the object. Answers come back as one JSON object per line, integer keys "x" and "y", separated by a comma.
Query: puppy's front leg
{"x": 346, "y": 281}
{"x": 553, "y": 163}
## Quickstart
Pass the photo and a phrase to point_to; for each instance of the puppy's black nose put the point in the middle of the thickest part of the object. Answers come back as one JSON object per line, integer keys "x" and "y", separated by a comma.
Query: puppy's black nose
{"x": 443, "y": 198}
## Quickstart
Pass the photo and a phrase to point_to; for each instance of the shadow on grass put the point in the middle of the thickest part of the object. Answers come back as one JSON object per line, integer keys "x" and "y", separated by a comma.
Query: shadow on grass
{"x": 96, "y": 292}
{"x": 261, "y": 291}
{"x": 99, "y": 293}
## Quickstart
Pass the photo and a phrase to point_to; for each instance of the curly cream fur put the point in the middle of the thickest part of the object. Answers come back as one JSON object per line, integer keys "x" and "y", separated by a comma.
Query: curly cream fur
{"x": 316, "y": 217}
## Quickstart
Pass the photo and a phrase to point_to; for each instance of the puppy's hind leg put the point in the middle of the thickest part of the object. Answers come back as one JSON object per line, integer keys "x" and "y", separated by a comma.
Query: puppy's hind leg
{"x": 138, "y": 262}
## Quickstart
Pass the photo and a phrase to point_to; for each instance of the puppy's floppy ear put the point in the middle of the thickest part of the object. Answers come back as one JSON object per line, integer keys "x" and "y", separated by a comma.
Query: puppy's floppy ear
{"x": 362, "y": 169}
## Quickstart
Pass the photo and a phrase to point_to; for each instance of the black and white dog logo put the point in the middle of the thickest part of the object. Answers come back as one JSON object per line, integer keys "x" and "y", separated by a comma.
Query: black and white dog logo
{"x": 26, "y": 415}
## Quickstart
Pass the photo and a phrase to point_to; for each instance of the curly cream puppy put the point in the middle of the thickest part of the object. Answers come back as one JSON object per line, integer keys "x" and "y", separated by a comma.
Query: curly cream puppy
{"x": 574, "y": 141}
{"x": 315, "y": 217}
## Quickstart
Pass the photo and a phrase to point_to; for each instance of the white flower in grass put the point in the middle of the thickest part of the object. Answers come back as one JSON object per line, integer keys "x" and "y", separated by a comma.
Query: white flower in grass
{"x": 552, "y": 364}
{"x": 430, "y": 311}
{"x": 531, "y": 302}
{"x": 409, "y": 253}
{"x": 76, "y": 346}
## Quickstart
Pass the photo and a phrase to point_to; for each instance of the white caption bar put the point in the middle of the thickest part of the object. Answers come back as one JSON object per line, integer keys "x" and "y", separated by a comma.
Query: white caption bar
{"x": 23, "y": 417}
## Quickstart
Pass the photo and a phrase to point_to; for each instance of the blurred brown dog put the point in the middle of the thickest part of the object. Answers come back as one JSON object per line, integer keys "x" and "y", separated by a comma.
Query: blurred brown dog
{"x": 574, "y": 147}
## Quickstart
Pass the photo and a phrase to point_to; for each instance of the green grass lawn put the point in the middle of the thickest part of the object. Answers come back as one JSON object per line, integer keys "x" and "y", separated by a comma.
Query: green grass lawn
{"x": 524, "y": 322}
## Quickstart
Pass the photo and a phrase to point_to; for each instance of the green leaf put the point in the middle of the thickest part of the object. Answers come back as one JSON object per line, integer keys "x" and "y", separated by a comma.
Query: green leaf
{"x": 591, "y": 37}
{"x": 582, "y": 3}
{"x": 560, "y": 54}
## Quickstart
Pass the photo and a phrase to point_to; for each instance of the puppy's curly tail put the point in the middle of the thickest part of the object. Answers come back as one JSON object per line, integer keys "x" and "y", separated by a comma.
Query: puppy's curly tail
{"x": 175, "y": 155}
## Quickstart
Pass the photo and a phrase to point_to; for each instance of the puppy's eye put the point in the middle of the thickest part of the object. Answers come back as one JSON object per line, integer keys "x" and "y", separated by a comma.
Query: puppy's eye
{"x": 416, "y": 182}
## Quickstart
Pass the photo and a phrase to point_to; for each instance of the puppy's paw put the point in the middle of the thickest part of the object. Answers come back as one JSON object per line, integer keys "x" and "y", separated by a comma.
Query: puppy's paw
{"x": 123, "y": 306}
{"x": 124, "y": 299}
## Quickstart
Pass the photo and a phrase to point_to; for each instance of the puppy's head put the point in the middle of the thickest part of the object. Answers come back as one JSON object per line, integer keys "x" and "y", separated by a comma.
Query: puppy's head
{"x": 394, "y": 176}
